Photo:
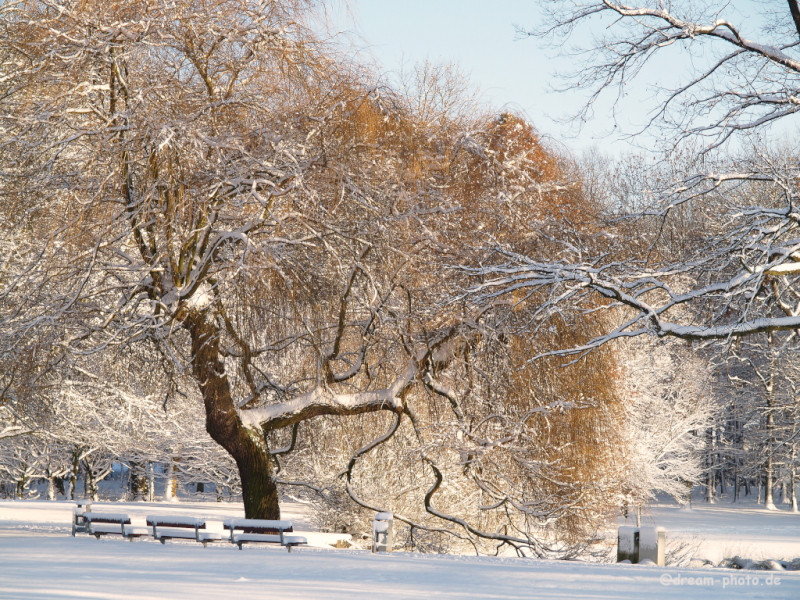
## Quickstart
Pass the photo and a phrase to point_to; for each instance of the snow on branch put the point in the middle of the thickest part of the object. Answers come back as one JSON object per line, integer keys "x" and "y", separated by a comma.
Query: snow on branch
{"x": 322, "y": 400}
{"x": 707, "y": 100}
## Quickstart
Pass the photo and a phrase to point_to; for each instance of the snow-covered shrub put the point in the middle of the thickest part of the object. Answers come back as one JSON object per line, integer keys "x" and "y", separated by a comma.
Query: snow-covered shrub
{"x": 668, "y": 405}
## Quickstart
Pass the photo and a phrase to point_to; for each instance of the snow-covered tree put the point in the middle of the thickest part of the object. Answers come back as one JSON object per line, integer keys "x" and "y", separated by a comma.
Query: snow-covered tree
{"x": 669, "y": 405}
{"x": 174, "y": 145}
{"x": 214, "y": 189}
{"x": 740, "y": 277}
{"x": 762, "y": 444}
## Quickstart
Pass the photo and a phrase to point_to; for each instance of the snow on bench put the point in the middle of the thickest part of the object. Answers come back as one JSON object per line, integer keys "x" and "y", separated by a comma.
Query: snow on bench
{"x": 245, "y": 531}
{"x": 98, "y": 524}
{"x": 167, "y": 527}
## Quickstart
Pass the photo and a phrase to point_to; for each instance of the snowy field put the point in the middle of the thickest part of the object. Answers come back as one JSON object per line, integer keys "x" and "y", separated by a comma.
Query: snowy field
{"x": 40, "y": 560}
{"x": 714, "y": 532}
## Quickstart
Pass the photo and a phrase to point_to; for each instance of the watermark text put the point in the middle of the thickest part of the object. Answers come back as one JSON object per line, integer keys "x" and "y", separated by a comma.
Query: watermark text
{"x": 726, "y": 581}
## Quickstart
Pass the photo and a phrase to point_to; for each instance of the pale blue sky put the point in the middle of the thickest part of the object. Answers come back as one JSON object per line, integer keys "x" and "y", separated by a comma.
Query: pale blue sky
{"x": 480, "y": 36}
{"x": 518, "y": 73}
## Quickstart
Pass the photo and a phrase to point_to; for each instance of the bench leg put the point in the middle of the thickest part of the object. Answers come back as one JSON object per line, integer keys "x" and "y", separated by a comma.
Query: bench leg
{"x": 239, "y": 544}
{"x": 162, "y": 540}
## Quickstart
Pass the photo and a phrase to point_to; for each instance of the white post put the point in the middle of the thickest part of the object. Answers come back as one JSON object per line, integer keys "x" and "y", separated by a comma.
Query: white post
{"x": 382, "y": 532}
{"x": 651, "y": 544}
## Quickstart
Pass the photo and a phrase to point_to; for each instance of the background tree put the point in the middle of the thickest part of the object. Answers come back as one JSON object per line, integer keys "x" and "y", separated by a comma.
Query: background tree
{"x": 758, "y": 441}
{"x": 740, "y": 277}
{"x": 669, "y": 406}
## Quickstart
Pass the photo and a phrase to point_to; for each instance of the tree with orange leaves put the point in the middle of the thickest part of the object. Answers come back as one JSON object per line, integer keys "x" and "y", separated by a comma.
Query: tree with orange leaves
{"x": 213, "y": 188}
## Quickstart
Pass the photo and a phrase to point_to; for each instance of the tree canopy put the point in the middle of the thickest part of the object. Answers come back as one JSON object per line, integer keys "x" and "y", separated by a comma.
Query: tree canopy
{"x": 208, "y": 195}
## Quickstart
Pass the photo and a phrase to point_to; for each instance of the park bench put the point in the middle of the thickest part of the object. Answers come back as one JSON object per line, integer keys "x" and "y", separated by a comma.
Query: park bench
{"x": 167, "y": 527}
{"x": 79, "y": 523}
{"x": 98, "y": 524}
{"x": 245, "y": 531}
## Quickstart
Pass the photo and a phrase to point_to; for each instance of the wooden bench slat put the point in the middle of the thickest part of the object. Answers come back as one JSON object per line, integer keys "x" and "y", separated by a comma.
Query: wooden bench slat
{"x": 136, "y": 531}
{"x": 175, "y": 521}
{"x": 97, "y": 517}
{"x": 239, "y": 523}
{"x": 258, "y": 537}
{"x": 294, "y": 540}
{"x": 105, "y": 528}
{"x": 167, "y": 527}
{"x": 98, "y": 524}
{"x": 243, "y": 531}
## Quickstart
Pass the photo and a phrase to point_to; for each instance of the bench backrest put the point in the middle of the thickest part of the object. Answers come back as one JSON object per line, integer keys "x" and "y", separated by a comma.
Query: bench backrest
{"x": 96, "y": 517}
{"x": 176, "y": 521}
{"x": 259, "y": 526}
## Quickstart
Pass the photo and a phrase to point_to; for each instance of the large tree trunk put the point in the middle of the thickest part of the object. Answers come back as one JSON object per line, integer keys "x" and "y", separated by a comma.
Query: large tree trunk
{"x": 171, "y": 482}
{"x": 710, "y": 476}
{"x": 139, "y": 484}
{"x": 246, "y": 446}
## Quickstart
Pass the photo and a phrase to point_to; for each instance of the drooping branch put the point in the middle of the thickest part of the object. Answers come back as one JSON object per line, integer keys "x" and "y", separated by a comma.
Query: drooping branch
{"x": 323, "y": 401}
{"x": 576, "y": 280}
{"x": 348, "y": 472}
{"x": 471, "y": 531}
{"x": 400, "y": 517}
{"x": 515, "y": 542}
{"x": 278, "y": 452}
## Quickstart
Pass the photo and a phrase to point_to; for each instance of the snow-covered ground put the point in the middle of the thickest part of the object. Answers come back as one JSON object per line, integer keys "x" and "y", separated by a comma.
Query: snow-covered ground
{"x": 724, "y": 530}
{"x": 40, "y": 560}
